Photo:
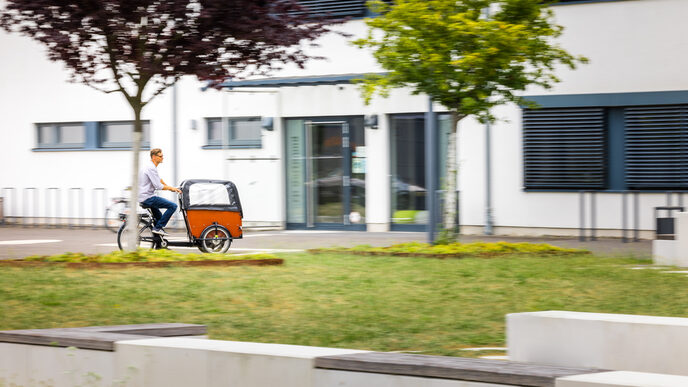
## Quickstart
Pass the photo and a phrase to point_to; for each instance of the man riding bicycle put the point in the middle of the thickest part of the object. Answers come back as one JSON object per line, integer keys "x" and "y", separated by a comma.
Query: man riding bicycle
{"x": 149, "y": 182}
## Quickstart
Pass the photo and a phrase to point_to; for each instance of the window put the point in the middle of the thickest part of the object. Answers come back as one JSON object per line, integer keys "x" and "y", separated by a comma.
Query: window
{"x": 656, "y": 147}
{"x": 119, "y": 134}
{"x": 619, "y": 141}
{"x": 564, "y": 148}
{"x": 241, "y": 133}
{"x": 582, "y": 1}
{"x": 61, "y": 135}
{"x": 336, "y": 8}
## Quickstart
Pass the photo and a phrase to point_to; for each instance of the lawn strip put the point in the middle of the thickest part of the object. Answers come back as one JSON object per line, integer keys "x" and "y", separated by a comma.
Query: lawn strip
{"x": 426, "y": 306}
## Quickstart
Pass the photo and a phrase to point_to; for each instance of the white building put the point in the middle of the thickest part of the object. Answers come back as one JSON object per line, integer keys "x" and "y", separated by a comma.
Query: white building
{"x": 618, "y": 123}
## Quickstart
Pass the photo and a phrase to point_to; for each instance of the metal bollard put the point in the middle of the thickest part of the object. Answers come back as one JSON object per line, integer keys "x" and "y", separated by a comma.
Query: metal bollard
{"x": 593, "y": 220}
{"x": 623, "y": 217}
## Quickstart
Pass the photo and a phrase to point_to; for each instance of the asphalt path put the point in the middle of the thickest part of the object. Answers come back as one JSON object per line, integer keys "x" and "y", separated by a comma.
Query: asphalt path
{"x": 18, "y": 242}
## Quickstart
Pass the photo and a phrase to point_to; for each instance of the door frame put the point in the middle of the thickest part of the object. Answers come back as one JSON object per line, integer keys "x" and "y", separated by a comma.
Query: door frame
{"x": 439, "y": 152}
{"x": 310, "y": 224}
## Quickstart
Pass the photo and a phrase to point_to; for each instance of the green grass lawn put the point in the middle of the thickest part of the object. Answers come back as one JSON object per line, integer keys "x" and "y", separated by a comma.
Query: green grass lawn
{"x": 433, "y": 306}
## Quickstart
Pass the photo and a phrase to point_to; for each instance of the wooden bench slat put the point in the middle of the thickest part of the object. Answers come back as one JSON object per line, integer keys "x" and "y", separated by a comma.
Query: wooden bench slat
{"x": 85, "y": 340}
{"x": 158, "y": 329}
{"x": 446, "y": 367}
{"x": 99, "y": 337}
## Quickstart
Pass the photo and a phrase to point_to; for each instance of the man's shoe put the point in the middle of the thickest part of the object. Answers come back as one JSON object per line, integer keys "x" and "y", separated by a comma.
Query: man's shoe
{"x": 160, "y": 232}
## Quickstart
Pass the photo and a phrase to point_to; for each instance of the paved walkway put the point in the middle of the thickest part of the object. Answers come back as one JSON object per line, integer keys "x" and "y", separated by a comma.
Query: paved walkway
{"x": 17, "y": 242}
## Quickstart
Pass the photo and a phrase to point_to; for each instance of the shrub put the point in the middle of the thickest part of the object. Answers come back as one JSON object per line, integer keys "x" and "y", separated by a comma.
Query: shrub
{"x": 457, "y": 249}
{"x": 142, "y": 255}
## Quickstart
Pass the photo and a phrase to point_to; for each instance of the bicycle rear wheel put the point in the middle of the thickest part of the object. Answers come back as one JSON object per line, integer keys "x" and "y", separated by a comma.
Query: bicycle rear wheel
{"x": 145, "y": 238}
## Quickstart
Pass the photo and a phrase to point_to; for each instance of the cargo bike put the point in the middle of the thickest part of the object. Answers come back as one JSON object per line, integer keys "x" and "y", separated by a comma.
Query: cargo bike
{"x": 212, "y": 216}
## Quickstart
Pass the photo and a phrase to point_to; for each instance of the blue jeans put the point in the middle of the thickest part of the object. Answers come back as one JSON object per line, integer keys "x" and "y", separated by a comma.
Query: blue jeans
{"x": 155, "y": 203}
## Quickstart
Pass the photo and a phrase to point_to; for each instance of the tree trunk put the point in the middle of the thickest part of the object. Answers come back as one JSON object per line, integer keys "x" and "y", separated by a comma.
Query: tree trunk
{"x": 132, "y": 221}
{"x": 450, "y": 231}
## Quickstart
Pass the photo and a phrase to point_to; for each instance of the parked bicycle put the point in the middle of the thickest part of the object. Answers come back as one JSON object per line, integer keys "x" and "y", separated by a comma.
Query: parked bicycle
{"x": 113, "y": 212}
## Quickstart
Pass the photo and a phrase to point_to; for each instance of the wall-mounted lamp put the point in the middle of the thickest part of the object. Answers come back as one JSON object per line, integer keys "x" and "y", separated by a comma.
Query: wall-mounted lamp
{"x": 370, "y": 121}
{"x": 267, "y": 123}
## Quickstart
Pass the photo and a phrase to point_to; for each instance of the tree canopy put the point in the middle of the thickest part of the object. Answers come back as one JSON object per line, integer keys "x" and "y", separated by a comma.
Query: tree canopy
{"x": 126, "y": 45}
{"x": 468, "y": 55}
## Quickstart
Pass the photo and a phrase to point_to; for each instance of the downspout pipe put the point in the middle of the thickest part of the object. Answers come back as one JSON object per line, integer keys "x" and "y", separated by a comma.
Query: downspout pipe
{"x": 489, "y": 222}
{"x": 431, "y": 164}
{"x": 175, "y": 139}
{"x": 488, "y": 180}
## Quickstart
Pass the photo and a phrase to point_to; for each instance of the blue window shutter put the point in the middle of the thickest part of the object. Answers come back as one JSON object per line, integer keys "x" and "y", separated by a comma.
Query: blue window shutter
{"x": 656, "y": 147}
{"x": 564, "y": 148}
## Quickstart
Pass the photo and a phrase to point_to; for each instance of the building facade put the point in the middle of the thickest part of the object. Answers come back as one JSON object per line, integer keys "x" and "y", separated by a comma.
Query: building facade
{"x": 306, "y": 152}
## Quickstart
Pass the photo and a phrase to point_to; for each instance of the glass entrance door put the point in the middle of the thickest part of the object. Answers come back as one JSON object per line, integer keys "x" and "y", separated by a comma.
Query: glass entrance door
{"x": 325, "y": 169}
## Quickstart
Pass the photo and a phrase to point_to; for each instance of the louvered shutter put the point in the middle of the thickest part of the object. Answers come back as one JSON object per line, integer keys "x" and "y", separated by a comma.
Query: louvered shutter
{"x": 656, "y": 147}
{"x": 564, "y": 148}
{"x": 335, "y": 8}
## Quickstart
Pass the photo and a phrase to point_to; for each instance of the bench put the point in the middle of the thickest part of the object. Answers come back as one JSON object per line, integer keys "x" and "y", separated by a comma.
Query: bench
{"x": 441, "y": 367}
{"x": 100, "y": 338}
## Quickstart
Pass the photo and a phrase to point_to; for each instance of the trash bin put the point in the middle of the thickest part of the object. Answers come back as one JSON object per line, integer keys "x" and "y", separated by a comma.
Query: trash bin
{"x": 664, "y": 226}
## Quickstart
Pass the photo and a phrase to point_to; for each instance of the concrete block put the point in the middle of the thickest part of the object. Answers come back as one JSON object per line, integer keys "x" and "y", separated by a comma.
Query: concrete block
{"x": 681, "y": 253}
{"x": 171, "y": 362}
{"x": 329, "y": 378}
{"x": 623, "y": 379}
{"x": 664, "y": 252}
{"x": 596, "y": 340}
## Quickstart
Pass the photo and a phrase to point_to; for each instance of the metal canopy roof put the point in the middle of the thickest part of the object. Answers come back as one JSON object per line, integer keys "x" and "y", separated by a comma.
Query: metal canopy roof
{"x": 314, "y": 80}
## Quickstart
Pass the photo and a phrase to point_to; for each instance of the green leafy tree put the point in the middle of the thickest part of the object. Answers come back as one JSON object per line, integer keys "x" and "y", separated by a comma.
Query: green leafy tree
{"x": 467, "y": 55}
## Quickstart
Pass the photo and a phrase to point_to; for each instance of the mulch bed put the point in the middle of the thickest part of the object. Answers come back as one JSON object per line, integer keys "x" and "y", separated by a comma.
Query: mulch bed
{"x": 120, "y": 265}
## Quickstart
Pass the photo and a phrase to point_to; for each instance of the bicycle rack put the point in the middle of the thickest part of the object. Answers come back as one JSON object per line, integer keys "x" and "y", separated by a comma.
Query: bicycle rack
{"x": 25, "y": 205}
{"x": 55, "y": 193}
{"x": 7, "y": 215}
{"x": 70, "y": 194}
{"x": 94, "y": 201}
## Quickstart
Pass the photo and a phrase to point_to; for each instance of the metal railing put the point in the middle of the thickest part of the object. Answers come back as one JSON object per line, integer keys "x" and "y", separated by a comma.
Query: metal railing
{"x": 588, "y": 227}
{"x": 57, "y": 207}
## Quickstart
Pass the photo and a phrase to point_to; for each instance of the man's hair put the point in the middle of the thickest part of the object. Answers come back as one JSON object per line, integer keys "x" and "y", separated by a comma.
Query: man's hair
{"x": 155, "y": 151}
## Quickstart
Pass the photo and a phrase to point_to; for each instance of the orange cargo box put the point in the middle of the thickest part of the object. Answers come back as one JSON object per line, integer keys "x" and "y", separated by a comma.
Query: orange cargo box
{"x": 200, "y": 219}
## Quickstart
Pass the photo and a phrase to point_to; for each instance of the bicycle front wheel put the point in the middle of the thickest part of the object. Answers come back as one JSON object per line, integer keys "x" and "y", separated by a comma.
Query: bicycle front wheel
{"x": 145, "y": 238}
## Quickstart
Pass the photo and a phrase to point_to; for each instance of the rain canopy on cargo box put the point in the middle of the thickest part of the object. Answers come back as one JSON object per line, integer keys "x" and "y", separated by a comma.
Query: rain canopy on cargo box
{"x": 219, "y": 195}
